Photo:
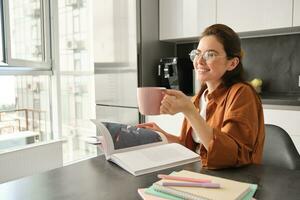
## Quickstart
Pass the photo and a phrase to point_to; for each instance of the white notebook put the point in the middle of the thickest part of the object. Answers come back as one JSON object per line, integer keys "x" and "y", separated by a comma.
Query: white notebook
{"x": 229, "y": 190}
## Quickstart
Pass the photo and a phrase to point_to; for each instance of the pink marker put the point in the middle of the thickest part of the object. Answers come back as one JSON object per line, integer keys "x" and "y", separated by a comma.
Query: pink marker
{"x": 180, "y": 178}
{"x": 191, "y": 184}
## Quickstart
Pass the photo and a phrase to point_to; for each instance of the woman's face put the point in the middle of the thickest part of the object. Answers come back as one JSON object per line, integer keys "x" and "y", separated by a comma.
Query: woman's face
{"x": 211, "y": 62}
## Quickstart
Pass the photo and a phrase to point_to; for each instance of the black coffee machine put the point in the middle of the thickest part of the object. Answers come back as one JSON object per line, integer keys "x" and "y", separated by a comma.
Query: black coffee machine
{"x": 176, "y": 73}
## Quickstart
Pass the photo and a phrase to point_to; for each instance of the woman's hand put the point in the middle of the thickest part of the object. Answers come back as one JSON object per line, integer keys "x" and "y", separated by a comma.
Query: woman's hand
{"x": 152, "y": 126}
{"x": 174, "y": 102}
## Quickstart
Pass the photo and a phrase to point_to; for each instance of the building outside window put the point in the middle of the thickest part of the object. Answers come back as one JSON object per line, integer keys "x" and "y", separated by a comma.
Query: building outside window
{"x": 24, "y": 110}
{"x": 76, "y": 78}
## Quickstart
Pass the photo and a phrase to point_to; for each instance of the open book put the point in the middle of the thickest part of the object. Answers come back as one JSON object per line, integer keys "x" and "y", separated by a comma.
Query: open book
{"x": 141, "y": 151}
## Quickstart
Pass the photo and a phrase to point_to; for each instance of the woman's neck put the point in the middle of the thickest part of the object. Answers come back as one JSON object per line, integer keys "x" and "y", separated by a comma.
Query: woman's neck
{"x": 211, "y": 86}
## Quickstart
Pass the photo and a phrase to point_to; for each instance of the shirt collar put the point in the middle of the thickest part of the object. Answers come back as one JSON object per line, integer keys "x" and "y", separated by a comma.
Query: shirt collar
{"x": 196, "y": 98}
{"x": 218, "y": 95}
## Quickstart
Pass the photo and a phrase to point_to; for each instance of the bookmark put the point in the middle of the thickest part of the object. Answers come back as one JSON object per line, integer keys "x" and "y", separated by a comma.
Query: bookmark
{"x": 191, "y": 184}
{"x": 180, "y": 178}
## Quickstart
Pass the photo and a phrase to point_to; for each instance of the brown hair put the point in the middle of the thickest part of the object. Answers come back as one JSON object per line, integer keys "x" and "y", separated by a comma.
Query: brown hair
{"x": 232, "y": 46}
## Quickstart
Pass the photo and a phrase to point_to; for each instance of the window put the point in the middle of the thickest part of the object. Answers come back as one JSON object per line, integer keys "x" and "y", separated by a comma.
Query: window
{"x": 24, "y": 110}
{"x": 35, "y": 85}
{"x": 27, "y": 31}
{"x": 76, "y": 70}
{"x": 1, "y": 36}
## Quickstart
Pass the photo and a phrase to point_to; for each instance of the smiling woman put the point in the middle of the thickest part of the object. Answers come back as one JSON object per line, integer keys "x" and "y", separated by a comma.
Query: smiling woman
{"x": 224, "y": 122}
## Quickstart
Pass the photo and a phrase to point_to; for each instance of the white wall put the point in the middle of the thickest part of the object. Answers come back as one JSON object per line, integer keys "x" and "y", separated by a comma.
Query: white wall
{"x": 32, "y": 159}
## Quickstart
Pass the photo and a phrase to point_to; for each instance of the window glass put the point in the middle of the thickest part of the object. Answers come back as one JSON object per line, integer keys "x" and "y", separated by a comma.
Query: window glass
{"x": 1, "y": 47}
{"x": 115, "y": 21}
{"x": 75, "y": 36}
{"x": 26, "y": 30}
{"x": 24, "y": 110}
{"x": 77, "y": 79}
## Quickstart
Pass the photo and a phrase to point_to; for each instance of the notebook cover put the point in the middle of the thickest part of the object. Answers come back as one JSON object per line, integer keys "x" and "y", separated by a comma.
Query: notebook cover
{"x": 153, "y": 192}
{"x": 250, "y": 194}
{"x": 230, "y": 190}
{"x": 145, "y": 196}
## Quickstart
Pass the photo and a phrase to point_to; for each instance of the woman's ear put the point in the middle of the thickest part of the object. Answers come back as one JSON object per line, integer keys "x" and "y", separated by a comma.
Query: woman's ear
{"x": 232, "y": 63}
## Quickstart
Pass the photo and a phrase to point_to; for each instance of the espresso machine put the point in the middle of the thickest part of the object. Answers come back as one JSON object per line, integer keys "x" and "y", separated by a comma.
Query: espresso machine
{"x": 176, "y": 73}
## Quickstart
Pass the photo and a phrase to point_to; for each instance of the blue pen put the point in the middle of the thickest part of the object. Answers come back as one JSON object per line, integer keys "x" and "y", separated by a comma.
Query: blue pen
{"x": 191, "y": 184}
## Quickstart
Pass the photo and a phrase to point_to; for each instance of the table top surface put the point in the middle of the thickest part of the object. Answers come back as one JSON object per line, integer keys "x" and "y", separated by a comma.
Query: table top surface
{"x": 97, "y": 178}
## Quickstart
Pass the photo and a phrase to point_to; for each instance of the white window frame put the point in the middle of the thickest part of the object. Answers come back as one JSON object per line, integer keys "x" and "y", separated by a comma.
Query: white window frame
{"x": 15, "y": 67}
{"x": 45, "y": 24}
{"x": 2, "y": 55}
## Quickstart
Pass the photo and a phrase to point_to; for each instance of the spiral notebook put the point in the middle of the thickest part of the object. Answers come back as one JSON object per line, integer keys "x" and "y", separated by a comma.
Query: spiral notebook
{"x": 152, "y": 194}
{"x": 147, "y": 196}
{"x": 230, "y": 189}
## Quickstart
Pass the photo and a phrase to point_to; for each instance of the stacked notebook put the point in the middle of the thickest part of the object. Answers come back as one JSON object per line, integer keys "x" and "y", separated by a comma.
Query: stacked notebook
{"x": 216, "y": 188}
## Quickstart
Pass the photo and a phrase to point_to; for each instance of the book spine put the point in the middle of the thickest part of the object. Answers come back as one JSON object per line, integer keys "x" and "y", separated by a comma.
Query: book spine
{"x": 177, "y": 193}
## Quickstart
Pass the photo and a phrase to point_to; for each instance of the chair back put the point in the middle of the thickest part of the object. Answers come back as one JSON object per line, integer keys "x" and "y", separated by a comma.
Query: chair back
{"x": 279, "y": 149}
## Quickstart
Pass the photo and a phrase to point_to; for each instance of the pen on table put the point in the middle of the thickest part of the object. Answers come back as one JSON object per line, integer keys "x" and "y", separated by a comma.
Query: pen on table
{"x": 191, "y": 184}
{"x": 179, "y": 178}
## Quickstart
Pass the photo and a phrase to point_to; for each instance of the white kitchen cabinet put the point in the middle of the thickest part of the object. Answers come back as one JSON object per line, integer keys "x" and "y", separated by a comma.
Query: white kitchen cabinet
{"x": 253, "y": 15}
{"x": 170, "y": 20}
{"x": 286, "y": 119}
{"x": 179, "y": 19}
{"x": 185, "y": 19}
{"x": 206, "y": 14}
{"x": 169, "y": 123}
{"x": 296, "y": 18}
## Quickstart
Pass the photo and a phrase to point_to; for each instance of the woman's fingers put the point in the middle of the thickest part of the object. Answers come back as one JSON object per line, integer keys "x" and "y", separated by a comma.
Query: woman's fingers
{"x": 167, "y": 102}
{"x": 170, "y": 103}
{"x": 168, "y": 106}
{"x": 150, "y": 125}
{"x": 175, "y": 93}
{"x": 146, "y": 125}
{"x": 166, "y": 110}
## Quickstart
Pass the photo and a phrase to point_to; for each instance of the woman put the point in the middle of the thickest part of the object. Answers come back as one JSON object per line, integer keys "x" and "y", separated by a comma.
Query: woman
{"x": 229, "y": 131}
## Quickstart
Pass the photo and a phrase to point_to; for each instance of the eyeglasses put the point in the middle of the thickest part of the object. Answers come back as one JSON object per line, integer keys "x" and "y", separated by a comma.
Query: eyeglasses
{"x": 207, "y": 56}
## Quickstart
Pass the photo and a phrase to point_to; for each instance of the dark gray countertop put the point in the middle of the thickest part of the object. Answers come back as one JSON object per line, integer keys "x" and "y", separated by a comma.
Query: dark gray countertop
{"x": 290, "y": 99}
{"x": 97, "y": 178}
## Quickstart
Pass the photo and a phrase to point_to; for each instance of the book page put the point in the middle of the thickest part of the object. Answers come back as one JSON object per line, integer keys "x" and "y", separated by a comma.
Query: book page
{"x": 154, "y": 158}
{"x": 121, "y": 137}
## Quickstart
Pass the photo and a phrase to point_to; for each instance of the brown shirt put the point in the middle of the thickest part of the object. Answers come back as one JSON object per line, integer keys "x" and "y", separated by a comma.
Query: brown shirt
{"x": 236, "y": 116}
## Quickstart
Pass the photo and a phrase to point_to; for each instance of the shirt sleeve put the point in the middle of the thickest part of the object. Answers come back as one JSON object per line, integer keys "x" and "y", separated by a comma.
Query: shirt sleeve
{"x": 233, "y": 144}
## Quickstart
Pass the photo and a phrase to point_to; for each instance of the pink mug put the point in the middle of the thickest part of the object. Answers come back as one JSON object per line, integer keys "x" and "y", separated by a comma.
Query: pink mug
{"x": 149, "y": 100}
